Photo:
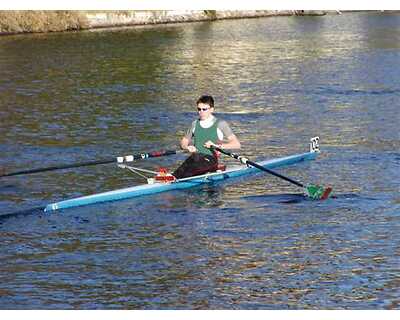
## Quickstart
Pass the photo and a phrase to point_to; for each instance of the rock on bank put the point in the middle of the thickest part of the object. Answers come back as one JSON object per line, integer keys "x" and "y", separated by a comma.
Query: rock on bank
{"x": 12, "y": 22}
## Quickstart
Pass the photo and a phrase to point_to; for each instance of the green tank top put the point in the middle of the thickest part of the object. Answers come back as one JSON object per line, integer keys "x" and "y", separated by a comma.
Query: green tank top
{"x": 202, "y": 135}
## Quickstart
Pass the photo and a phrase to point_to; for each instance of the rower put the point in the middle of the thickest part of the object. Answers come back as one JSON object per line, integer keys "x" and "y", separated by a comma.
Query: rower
{"x": 206, "y": 131}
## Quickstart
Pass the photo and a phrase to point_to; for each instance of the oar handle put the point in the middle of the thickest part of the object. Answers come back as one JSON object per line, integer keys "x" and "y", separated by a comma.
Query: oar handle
{"x": 123, "y": 159}
{"x": 246, "y": 161}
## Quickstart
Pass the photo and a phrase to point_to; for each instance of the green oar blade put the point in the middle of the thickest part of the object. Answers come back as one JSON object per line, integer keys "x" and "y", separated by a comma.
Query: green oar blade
{"x": 317, "y": 192}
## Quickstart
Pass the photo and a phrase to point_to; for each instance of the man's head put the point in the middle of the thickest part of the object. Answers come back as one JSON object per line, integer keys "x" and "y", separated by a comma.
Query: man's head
{"x": 206, "y": 100}
{"x": 205, "y": 106}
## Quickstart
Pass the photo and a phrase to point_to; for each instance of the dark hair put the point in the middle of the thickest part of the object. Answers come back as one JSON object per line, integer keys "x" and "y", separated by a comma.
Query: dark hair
{"x": 206, "y": 100}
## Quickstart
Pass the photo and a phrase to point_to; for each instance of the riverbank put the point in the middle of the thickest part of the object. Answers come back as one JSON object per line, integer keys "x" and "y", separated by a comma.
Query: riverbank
{"x": 14, "y": 22}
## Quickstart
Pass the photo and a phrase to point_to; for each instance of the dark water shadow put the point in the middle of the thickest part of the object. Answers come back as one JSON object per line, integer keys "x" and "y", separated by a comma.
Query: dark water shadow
{"x": 290, "y": 198}
{"x": 351, "y": 196}
{"x": 8, "y": 187}
{"x": 22, "y": 213}
{"x": 277, "y": 198}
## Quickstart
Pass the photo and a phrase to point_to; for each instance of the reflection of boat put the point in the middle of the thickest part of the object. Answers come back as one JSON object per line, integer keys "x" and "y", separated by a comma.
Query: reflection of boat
{"x": 157, "y": 187}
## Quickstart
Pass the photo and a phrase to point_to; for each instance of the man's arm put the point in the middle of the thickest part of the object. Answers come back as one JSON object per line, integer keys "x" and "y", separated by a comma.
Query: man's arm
{"x": 228, "y": 139}
{"x": 185, "y": 145}
{"x": 231, "y": 143}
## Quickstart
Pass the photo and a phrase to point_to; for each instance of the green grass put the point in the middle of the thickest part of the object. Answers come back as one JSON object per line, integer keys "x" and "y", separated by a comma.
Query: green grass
{"x": 41, "y": 21}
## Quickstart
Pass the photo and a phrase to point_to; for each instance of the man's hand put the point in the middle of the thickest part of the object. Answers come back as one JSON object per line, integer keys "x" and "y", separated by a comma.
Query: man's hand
{"x": 209, "y": 143}
{"x": 191, "y": 149}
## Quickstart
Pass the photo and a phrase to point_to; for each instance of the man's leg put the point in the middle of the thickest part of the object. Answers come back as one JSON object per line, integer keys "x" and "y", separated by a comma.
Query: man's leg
{"x": 195, "y": 165}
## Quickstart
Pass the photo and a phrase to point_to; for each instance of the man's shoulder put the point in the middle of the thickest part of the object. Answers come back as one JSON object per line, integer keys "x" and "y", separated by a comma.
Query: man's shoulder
{"x": 193, "y": 125}
{"x": 222, "y": 123}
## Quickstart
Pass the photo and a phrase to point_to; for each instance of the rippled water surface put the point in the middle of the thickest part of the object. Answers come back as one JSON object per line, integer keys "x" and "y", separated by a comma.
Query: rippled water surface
{"x": 247, "y": 244}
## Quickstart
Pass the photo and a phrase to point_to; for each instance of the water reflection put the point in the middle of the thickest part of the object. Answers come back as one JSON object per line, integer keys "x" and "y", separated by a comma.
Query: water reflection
{"x": 248, "y": 244}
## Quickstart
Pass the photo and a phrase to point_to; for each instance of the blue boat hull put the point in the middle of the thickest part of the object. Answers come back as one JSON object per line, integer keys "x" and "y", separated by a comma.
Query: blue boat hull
{"x": 141, "y": 190}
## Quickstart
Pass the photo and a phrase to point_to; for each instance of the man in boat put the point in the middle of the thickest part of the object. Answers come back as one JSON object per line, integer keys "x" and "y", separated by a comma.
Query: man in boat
{"x": 205, "y": 132}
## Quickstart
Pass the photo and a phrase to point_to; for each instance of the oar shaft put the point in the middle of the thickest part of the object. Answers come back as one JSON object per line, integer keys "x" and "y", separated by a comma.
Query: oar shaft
{"x": 60, "y": 167}
{"x": 246, "y": 161}
{"x": 123, "y": 159}
{"x": 275, "y": 173}
{"x": 312, "y": 191}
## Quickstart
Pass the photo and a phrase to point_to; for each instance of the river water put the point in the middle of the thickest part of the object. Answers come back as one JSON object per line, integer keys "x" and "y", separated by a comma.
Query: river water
{"x": 252, "y": 243}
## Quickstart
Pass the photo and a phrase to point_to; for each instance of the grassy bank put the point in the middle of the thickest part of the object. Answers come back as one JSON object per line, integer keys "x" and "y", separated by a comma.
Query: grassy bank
{"x": 12, "y": 22}
{"x": 41, "y": 21}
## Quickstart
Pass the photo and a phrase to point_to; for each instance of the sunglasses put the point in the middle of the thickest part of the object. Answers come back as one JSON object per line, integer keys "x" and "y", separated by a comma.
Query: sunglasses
{"x": 202, "y": 109}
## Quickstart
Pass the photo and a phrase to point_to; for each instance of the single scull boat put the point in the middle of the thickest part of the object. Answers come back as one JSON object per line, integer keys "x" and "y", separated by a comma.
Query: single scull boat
{"x": 156, "y": 187}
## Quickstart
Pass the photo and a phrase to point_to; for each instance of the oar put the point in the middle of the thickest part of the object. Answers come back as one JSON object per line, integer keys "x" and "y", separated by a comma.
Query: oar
{"x": 312, "y": 191}
{"x": 122, "y": 159}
